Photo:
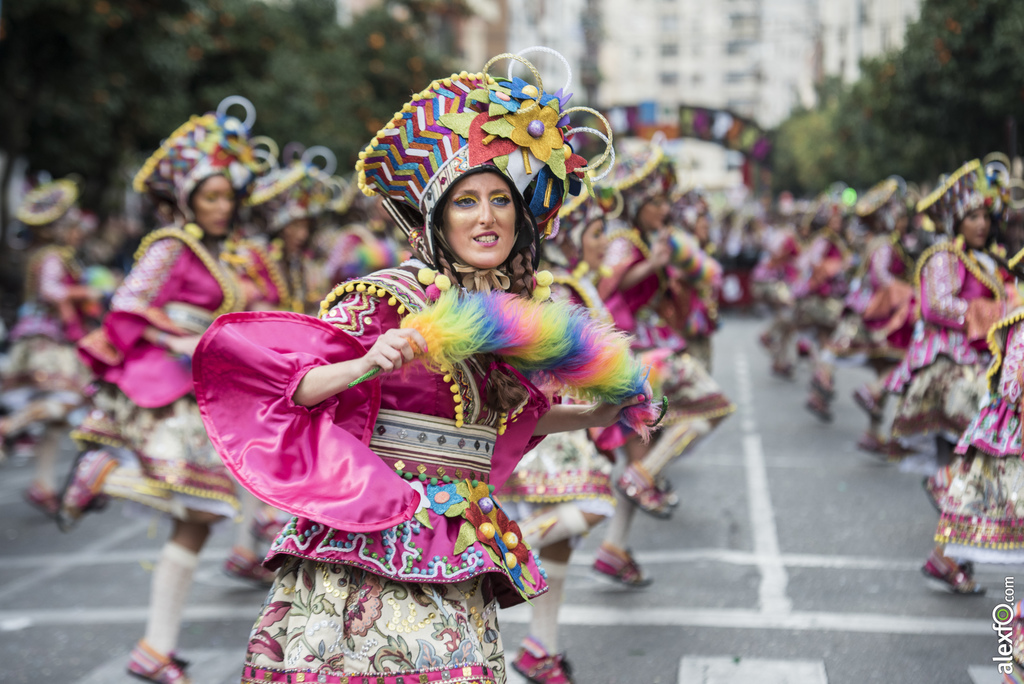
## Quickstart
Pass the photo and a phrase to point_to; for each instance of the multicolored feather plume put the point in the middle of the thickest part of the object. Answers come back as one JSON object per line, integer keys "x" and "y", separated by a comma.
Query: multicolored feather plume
{"x": 553, "y": 344}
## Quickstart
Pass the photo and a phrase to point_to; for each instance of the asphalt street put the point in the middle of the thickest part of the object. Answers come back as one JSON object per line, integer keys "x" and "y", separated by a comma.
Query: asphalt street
{"x": 792, "y": 557}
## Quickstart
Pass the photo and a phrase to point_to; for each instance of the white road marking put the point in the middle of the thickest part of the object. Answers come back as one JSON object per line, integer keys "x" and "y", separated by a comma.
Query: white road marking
{"x": 772, "y": 592}
{"x": 726, "y": 670}
{"x": 69, "y": 561}
{"x": 578, "y": 615}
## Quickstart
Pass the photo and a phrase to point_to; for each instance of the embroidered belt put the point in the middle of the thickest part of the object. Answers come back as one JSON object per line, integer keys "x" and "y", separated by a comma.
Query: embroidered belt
{"x": 193, "y": 319}
{"x": 432, "y": 447}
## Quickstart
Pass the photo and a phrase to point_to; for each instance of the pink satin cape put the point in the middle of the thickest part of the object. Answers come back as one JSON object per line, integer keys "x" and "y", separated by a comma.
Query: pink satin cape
{"x": 311, "y": 462}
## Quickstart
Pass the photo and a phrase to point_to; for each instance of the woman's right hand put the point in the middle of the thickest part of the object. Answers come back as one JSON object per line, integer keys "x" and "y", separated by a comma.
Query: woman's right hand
{"x": 395, "y": 348}
{"x": 661, "y": 250}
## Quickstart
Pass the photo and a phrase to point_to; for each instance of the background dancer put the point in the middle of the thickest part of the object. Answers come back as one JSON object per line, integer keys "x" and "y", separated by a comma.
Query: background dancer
{"x": 144, "y": 438}
{"x": 46, "y": 379}
{"x": 649, "y": 267}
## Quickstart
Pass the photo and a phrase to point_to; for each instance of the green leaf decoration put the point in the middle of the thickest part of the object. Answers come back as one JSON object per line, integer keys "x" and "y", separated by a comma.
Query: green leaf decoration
{"x": 526, "y": 575}
{"x": 480, "y": 95}
{"x": 466, "y": 538}
{"x": 423, "y": 516}
{"x": 499, "y": 127}
{"x": 462, "y": 489}
{"x": 501, "y": 162}
{"x": 497, "y": 109}
{"x": 499, "y": 561}
{"x": 556, "y": 162}
{"x": 588, "y": 185}
{"x": 456, "y": 510}
{"x": 459, "y": 122}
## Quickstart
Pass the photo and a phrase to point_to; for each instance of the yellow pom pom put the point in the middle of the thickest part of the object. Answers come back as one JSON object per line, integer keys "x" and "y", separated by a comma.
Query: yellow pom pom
{"x": 544, "y": 278}
{"x": 443, "y": 282}
{"x": 350, "y": 288}
{"x": 392, "y": 301}
{"x": 194, "y": 230}
{"x": 362, "y": 288}
{"x": 401, "y": 310}
{"x": 426, "y": 276}
{"x": 447, "y": 377}
{"x": 541, "y": 293}
{"x": 458, "y": 423}
{"x": 530, "y": 91}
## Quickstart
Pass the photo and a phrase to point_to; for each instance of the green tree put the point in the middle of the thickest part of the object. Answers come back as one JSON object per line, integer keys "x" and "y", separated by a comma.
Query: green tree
{"x": 951, "y": 94}
{"x": 91, "y": 86}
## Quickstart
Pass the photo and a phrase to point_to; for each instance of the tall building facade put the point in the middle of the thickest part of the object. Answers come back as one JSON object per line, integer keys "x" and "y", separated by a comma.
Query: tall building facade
{"x": 852, "y": 30}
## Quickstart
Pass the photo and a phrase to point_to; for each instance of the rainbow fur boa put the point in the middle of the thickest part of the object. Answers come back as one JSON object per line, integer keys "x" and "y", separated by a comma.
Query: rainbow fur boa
{"x": 695, "y": 264}
{"x": 554, "y": 344}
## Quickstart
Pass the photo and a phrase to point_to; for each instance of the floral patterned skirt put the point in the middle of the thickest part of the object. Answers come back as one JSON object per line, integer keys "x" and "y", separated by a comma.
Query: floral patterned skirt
{"x": 692, "y": 392}
{"x": 46, "y": 365}
{"x": 852, "y": 338}
{"x": 982, "y": 502}
{"x": 566, "y": 466}
{"x": 818, "y": 312}
{"x": 941, "y": 398}
{"x": 167, "y": 460}
{"x": 338, "y": 624}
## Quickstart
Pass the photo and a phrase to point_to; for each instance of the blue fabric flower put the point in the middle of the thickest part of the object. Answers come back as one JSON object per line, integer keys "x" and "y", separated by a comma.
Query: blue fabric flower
{"x": 442, "y": 497}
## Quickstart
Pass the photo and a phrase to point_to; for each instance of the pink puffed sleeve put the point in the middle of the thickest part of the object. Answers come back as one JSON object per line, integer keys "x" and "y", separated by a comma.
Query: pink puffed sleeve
{"x": 147, "y": 277}
{"x": 52, "y": 287}
{"x": 940, "y": 285}
{"x": 312, "y": 462}
{"x": 881, "y": 266}
{"x": 1010, "y": 377}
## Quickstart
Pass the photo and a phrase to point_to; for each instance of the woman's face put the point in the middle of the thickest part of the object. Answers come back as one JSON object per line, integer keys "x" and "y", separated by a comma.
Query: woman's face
{"x": 701, "y": 229}
{"x": 479, "y": 220}
{"x": 974, "y": 228}
{"x": 594, "y": 244}
{"x": 651, "y": 216}
{"x": 295, "y": 235}
{"x": 213, "y": 203}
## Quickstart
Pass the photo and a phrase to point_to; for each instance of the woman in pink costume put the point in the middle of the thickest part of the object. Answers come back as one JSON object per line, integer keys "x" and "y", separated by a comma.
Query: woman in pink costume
{"x": 398, "y": 555}
{"x": 961, "y": 291}
{"x": 771, "y": 281}
{"x": 651, "y": 267}
{"x": 46, "y": 379}
{"x": 819, "y": 289}
{"x": 981, "y": 494}
{"x": 287, "y": 202}
{"x": 878, "y": 319}
{"x": 145, "y": 439}
{"x": 562, "y": 488}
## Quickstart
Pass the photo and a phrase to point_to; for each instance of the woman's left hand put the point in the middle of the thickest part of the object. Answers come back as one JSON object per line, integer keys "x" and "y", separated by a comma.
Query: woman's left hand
{"x": 606, "y": 415}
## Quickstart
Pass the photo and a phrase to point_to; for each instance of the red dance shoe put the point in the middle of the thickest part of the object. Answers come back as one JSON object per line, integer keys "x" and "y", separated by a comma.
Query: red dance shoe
{"x": 943, "y": 574}
{"x": 241, "y": 564}
{"x": 618, "y": 566}
{"x": 147, "y": 664}
{"x": 637, "y": 486}
{"x": 541, "y": 667}
{"x": 83, "y": 491}
{"x": 43, "y": 500}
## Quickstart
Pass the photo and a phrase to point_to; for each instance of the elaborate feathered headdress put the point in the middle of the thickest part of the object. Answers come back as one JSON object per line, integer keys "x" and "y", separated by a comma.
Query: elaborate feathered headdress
{"x": 467, "y": 122}
{"x": 208, "y": 145}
